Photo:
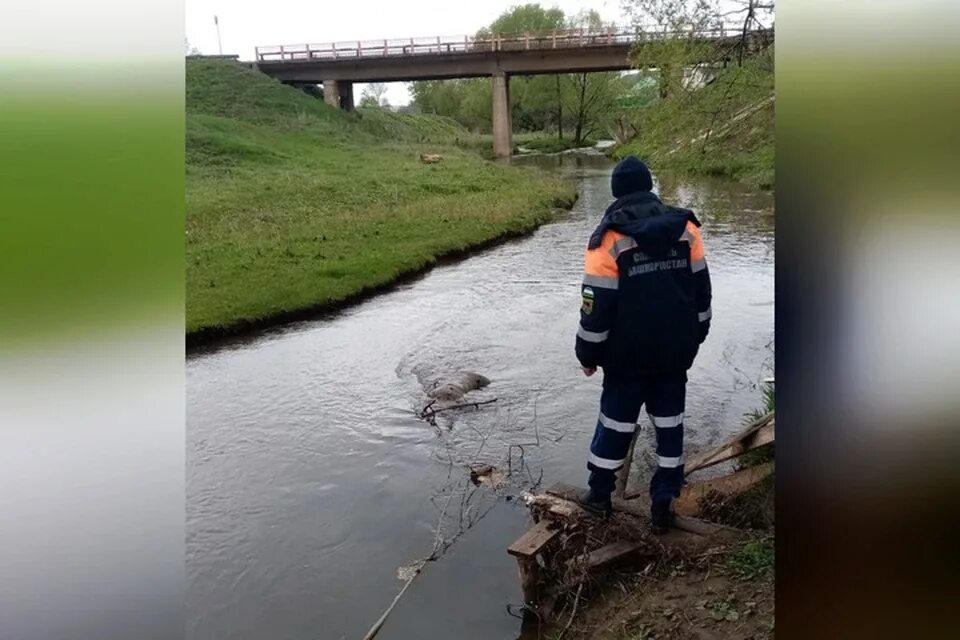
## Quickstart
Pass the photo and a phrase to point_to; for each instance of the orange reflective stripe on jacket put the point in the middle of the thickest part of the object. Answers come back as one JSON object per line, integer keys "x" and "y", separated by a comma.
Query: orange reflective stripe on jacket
{"x": 600, "y": 264}
{"x": 696, "y": 242}
{"x": 698, "y": 260}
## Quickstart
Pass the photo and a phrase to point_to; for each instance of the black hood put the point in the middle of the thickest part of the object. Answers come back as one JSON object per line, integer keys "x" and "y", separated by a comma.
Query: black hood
{"x": 654, "y": 225}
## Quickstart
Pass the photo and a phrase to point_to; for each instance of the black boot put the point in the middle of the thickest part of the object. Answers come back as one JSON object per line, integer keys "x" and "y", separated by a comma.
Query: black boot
{"x": 661, "y": 518}
{"x": 595, "y": 503}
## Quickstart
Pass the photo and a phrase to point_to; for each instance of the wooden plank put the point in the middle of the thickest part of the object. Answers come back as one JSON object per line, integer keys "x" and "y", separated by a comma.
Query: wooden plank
{"x": 606, "y": 554}
{"x": 688, "y": 503}
{"x": 754, "y": 436}
{"x": 565, "y": 491}
{"x": 533, "y": 540}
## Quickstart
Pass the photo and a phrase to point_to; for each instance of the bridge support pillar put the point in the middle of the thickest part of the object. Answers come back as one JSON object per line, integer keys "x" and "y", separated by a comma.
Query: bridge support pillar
{"x": 502, "y": 125}
{"x": 331, "y": 93}
{"x": 339, "y": 94}
{"x": 346, "y": 95}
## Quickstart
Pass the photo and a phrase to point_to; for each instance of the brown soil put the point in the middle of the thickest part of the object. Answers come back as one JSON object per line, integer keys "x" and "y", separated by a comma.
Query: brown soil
{"x": 697, "y": 598}
{"x": 723, "y": 591}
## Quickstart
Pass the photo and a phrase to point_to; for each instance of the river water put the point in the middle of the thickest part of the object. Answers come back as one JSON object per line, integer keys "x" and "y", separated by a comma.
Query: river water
{"x": 311, "y": 481}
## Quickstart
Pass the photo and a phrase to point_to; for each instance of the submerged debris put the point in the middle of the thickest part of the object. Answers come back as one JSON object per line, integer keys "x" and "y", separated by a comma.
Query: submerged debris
{"x": 489, "y": 475}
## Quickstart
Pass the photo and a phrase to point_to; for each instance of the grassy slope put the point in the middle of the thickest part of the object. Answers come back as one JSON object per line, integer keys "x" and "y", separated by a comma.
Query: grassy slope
{"x": 744, "y": 150}
{"x": 292, "y": 204}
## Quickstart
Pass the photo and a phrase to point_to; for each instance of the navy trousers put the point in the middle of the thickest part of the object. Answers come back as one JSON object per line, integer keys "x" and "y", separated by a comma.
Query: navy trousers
{"x": 664, "y": 395}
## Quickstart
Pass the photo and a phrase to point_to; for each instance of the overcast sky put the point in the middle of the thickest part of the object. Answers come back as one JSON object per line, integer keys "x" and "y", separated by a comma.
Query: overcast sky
{"x": 245, "y": 24}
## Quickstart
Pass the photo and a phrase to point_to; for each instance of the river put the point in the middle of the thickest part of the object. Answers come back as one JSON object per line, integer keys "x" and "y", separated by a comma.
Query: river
{"x": 310, "y": 479}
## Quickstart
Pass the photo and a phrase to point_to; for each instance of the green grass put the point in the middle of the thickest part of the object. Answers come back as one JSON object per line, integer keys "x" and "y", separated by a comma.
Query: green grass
{"x": 669, "y": 129}
{"x": 753, "y": 559}
{"x": 293, "y": 205}
{"x": 763, "y": 454}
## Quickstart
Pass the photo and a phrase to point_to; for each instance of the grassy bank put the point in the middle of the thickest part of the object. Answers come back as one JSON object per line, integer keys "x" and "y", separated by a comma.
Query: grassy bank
{"x": 725, "y": 128}
{"x": 294, "y": 205}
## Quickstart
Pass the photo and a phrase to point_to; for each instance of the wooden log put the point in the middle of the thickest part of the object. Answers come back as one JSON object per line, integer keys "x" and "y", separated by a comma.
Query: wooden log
{"x": 557, "y": 506}
{"x": 691, "y": 495}
{"x": 703, "y": 528}
{"x": 683, "y": 523}
{"x": 756, "y": 435}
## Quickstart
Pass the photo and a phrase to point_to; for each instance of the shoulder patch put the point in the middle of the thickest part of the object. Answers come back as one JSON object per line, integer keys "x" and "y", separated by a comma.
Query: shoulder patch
{"x": 587, "y": 305}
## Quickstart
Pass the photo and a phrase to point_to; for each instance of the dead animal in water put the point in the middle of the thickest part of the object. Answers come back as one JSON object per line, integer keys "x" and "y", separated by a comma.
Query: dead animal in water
{"x": 447, "y": 394}
{"x": 430, "y": 158}
{"x": 452, "y": 389}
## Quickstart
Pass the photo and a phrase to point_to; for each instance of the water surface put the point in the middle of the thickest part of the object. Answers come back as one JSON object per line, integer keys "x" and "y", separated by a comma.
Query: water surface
{"x": 311, "y": 480}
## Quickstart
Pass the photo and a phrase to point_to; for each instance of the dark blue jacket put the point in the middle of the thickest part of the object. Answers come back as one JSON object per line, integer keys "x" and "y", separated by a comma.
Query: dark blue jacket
{"x": 646, "y": 289}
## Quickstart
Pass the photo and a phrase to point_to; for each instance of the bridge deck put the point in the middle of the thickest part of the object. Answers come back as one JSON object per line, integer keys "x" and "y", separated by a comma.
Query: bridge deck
{"x": 558, "y": 39}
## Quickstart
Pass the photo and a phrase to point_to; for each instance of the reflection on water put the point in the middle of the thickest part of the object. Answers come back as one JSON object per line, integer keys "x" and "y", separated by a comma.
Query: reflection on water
{"x": 311, "y": 481}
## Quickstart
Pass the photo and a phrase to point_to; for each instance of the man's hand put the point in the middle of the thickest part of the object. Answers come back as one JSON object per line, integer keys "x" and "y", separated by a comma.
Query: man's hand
{"x": 589, "y": 371}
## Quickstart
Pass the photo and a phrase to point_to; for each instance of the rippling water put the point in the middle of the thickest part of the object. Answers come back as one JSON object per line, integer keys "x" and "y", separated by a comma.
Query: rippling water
{"x": 311, "y": 481}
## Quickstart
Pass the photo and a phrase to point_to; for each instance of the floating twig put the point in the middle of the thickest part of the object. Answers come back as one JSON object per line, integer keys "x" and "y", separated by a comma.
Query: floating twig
{"x": 428, "y": 411}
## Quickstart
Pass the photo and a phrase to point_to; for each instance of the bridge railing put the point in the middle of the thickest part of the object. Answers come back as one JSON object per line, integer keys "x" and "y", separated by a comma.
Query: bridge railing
{"x": 438, "y": 45}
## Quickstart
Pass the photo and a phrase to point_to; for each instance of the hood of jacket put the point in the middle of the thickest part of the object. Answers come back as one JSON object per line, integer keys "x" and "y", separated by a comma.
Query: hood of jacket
{"x": 654, "y": 225}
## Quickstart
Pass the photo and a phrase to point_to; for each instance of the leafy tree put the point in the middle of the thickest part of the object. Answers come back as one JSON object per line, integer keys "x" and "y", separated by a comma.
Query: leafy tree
{"x": 373, "y": 95}
{"x": 588, "y": 97}
{"x": 715, "y": 97}
{"x": 527, "y": 18}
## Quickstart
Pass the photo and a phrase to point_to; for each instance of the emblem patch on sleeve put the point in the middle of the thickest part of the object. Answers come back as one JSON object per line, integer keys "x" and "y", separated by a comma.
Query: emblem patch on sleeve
{"x": 587, "y": 306}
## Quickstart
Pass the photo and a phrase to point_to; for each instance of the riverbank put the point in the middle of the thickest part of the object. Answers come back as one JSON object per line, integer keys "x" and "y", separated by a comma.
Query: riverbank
{"x": 724, "y": 591}
{"x": 683, "y": 589}
{"x": 724, "y": 129}
{"x": 294, "y": 207}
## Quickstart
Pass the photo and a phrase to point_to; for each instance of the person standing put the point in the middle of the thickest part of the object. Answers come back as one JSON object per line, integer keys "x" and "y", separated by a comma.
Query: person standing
{"x": 645, "y": 310}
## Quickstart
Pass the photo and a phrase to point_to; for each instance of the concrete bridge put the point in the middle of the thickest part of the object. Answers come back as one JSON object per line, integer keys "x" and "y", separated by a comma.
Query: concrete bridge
{"x": 338, "y": 65}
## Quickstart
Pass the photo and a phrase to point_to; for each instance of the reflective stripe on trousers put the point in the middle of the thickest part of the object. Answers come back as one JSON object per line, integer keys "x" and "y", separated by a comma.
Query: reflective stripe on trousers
{"x": 620, "y": 405}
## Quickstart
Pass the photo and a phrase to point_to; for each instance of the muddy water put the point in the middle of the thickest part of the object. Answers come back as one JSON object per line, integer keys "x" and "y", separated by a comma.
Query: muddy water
{"x": 311, "y": 482}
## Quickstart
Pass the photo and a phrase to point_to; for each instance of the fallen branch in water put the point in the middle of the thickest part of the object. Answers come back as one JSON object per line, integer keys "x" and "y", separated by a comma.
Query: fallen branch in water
{"x": 429, "y": 411}
{"x": 437, "y": 549}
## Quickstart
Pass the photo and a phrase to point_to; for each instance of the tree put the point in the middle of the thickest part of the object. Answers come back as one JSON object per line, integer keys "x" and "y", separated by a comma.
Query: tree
{"x": 710, "y": 90}
{"x": 190, "y": 49}
{"x": 589, "y": 97}
{"x": 373, "y": 95}
{"x": 527, "y": 18}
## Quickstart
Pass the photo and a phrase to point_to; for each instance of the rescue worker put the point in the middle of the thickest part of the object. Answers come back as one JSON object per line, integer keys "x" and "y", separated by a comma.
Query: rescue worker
{"x": 645, "y": 311}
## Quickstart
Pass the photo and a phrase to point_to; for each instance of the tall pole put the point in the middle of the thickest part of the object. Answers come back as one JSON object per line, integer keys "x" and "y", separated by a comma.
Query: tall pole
{"x": 219, "y": 44}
